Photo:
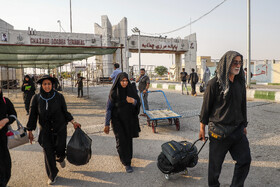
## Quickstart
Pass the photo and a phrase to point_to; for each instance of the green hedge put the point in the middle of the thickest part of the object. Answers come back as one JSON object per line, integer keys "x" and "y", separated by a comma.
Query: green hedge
{"x": 270, "y": 95}
{"x": 274, "y": 84}
{"x": 172, "y": 87}
{"x": 159, "y": 85}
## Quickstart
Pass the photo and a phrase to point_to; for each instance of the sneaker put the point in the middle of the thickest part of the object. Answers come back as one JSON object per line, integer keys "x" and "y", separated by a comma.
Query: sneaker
{"x": 182, "y": 93}
{"x": 128, "y": 169}
{"x": 195, "y": 95}
{"x": 51, "y": 182}
{"x": 62, "y": 164}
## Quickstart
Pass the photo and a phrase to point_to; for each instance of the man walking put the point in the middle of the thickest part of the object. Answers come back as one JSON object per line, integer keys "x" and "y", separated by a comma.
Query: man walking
{"x": 224, "y": 111}
{"x": 184, "y": 76}
{"x": 194, "y": 79}
{"x": 144, "y": 84}
{"x": 115, "y": 72}
{"x": 80, "y": 85}
{"x": 206, "y": 76}
{"x": 56, "y": 83}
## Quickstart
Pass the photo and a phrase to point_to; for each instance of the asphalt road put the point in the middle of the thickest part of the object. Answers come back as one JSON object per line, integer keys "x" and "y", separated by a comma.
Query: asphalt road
{"x": 105, "y": 169}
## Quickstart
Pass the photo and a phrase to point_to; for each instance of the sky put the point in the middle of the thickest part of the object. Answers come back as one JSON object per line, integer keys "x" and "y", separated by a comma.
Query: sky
{"x": 222, "y": 30}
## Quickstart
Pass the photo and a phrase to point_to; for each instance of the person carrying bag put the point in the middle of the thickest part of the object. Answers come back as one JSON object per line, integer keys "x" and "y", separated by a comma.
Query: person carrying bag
{"x": 6, "y": 109}
{"x": 51, "y": 109}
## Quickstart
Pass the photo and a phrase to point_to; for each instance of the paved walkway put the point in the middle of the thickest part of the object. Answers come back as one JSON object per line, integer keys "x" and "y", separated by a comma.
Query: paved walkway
{"x": 105, "y": 169}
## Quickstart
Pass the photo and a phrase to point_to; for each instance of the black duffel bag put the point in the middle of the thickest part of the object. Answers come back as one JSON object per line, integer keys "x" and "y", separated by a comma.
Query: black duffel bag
{"x": 79, "y": 148}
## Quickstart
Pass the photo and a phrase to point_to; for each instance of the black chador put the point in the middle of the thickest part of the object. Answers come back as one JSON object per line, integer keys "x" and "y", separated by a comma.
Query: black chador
{"x": 6, "y": 109}
{"x": 124, "y": 117}
{"x": 28, "y": 88}
{"x": 51, "y": 109}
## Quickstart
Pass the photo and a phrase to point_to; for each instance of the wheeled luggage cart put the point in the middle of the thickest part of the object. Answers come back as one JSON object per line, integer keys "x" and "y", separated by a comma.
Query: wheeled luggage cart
{"x": 153, "y": 116}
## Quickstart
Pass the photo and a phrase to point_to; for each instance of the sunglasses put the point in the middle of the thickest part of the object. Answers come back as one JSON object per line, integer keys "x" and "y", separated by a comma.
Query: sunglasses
{"x": 45, "y": 84}
{"x": 235, "y": 62}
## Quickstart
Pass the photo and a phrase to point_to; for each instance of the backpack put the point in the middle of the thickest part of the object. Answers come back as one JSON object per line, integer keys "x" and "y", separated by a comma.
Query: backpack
{"x": 177, "y": 156}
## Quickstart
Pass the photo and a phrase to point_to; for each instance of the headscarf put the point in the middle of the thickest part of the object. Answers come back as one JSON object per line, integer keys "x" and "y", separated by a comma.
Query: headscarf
{"x": 46, "y": 96}
{"x": 223, "y": 70}
{"x": 40, "y": 81}
{"x": 29, "y": 79}
{"x": 128, "y": 113}
{"x": 118, "y": 93}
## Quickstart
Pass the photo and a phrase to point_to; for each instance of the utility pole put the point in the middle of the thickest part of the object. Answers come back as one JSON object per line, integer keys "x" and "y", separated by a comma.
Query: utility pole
{"x": 190, "y": 26}
{"x": 70, "y": 17}
{"x": 248, "y": 44}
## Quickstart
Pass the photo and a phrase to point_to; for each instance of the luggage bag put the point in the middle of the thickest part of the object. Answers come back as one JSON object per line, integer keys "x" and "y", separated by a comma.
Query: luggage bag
{"x": 178, "y": 156}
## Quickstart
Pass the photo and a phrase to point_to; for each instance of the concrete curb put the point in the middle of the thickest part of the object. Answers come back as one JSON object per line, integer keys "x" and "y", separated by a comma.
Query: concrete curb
{"x": 251, "y": 93}
{"x": 163, "y": 78}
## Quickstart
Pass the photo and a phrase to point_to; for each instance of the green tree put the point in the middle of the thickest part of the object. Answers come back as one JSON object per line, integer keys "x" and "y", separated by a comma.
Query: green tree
{"x": 161, "y": 70}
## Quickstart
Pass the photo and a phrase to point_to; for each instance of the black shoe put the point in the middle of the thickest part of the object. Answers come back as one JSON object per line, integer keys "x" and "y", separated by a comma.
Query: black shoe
{"x": 128, "y": 169}
{"x": 51, "y": 182}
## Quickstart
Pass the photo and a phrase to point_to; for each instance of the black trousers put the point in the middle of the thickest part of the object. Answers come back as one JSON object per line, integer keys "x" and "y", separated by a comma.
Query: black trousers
{"x": 123, "y": 145}
{"x": 54, "y": 147}
{"x": 80, "y": 90}
{"x": 5, "y": 160}
{"x": 238, "y": 146}
{"x": 27, "y": 98}
{"x": 193, "y": 88}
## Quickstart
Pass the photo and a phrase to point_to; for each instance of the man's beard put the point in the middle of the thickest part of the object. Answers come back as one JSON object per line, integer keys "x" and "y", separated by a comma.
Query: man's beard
{"x": 235, "y": 71}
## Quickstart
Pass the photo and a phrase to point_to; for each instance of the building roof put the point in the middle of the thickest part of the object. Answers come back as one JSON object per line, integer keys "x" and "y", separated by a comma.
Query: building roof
{"x": 48, "y": 56}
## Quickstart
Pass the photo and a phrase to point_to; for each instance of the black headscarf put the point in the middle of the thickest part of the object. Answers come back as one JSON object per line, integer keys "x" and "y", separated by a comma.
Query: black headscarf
{"x": 123, "y": 113}
{"x": 44, "y": 94}
{"x": 223, "y": 70}
{"x": 29, "y": 80}
{"x": 118, "y": 94}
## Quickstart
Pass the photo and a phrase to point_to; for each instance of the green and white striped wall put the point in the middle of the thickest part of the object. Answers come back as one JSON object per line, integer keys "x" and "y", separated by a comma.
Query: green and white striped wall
{"x": 251, "y": 93}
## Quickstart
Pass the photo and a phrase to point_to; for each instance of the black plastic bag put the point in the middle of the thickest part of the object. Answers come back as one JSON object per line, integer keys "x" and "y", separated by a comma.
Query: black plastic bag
{"x": 202, "y": 87}
{"x": 79, "y": 148}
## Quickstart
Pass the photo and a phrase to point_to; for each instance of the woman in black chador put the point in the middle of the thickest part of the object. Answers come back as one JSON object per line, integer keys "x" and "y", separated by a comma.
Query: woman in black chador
{"x": 50, "y": 107}
{"x": 122, "y": 110}
{"x": 6, "y": 109}
{"x": 28, "y": 88}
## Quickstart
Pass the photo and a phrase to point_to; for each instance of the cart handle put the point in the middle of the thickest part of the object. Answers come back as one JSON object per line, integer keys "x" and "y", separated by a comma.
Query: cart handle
{"x": 206, "y": 139}
{"x": 141, "y": 95}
